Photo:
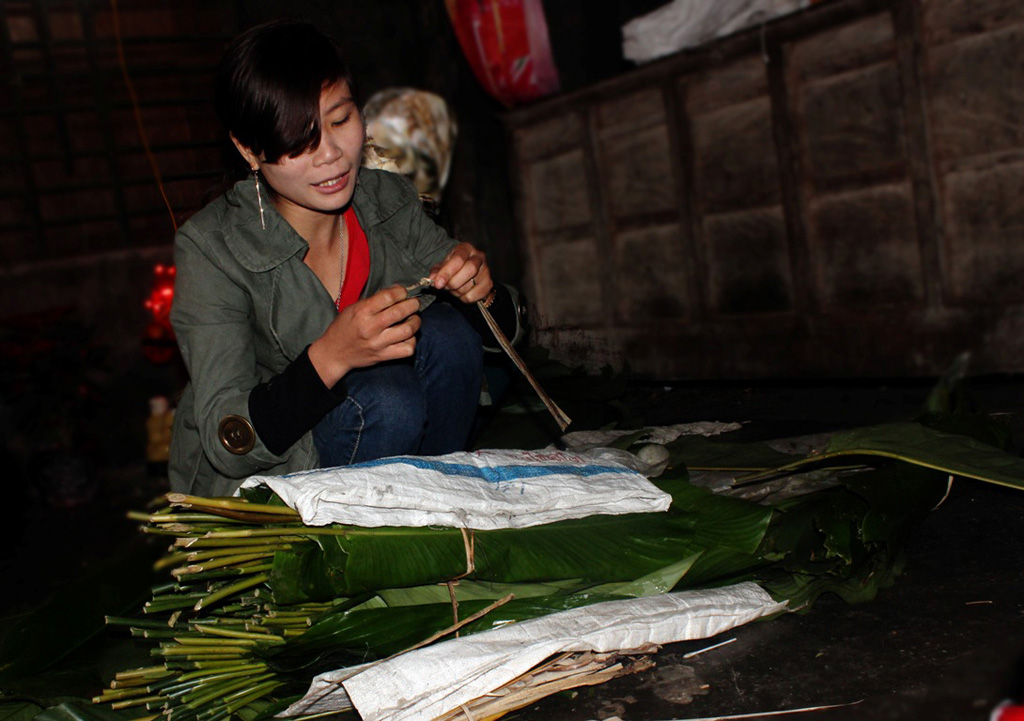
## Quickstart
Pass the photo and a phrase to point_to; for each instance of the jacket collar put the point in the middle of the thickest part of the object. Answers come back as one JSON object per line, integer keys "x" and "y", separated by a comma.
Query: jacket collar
{"x": 260, "y": 250}
{"x": 373, "y": 200}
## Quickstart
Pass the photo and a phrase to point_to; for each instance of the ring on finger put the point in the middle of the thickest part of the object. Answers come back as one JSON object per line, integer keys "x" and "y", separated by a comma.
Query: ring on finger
{"x": 473, "y": 281}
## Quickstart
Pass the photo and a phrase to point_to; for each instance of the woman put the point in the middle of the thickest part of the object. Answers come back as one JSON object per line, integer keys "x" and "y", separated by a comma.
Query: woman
{"x": 293, "y": 306}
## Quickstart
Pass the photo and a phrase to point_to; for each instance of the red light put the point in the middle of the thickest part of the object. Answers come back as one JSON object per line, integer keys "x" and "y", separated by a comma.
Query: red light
{"x": 162, "y": 295}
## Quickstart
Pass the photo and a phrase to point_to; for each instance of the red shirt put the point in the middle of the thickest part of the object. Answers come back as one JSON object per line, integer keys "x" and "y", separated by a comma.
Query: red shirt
{"x": 357, "y": 267}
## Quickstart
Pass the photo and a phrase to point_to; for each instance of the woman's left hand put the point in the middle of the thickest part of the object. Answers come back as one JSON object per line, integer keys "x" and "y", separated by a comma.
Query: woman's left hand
{"x": 464, "y": 273}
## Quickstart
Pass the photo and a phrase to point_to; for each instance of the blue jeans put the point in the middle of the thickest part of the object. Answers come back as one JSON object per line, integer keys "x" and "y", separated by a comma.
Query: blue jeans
{"x": 422, "y": 405}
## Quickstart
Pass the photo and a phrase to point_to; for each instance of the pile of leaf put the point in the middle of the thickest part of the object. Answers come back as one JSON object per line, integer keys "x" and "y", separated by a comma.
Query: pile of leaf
{"x": 259, "y": 603}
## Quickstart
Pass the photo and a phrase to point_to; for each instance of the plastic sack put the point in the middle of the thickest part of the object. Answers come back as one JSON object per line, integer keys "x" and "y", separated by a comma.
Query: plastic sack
{"x": 507, "y": 46}
{"x": 432, "y": 681}
{"x": 482, "y": 490}
{"x": 688, "y": 23}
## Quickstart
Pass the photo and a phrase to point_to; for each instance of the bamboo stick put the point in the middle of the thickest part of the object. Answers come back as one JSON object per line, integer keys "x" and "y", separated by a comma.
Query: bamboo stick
{"x": 557, "y": 413}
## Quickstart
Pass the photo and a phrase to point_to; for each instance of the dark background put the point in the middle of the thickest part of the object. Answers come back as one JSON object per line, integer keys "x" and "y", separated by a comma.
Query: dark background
{"x": 82, "y": 221}
{"x": 732, "y": 320}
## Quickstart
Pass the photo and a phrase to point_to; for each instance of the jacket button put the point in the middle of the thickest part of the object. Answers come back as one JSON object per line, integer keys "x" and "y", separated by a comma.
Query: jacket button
{"x": 236, "y": 435}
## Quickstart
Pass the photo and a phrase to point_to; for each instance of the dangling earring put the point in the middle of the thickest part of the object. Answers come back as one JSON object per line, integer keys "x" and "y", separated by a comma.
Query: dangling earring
{"x": 259, "y": 198}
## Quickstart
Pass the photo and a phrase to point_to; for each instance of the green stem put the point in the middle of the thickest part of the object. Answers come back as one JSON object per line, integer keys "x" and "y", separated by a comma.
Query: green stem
{"x": 299, "y": 531}
{"x": 157, "y": 531}
{"x": 182, "y": 690}
{"x": 264, "y": 637}
{"x": 239, "y": 700}
{"x": 214, "y": 649}
{"x": 165, "y": 589}
{"x": 118, "y": 705}
{"x": 159, "y": 605}
{"x": 192, "y": 685}
{"x": 221, "y": 621}
{"x": 242, "y": 570}
{"x": 119, "y": 694}
{"x": 214, "y": 714}
{"x": 197, "y": 658}
{"x": 154, "y": 633}
{"x": 229, "y": 551}
{"x": 219, "y": 563}
{"x": 180, "y": 499}
{"x": 137, "y": 672}
{"x": 172, "y": 559}
{"x": 186, "y": 518}
{"x": 220, "y": 689}
{"x": 282, "y": 613}
{"x": 136, "y": 622}
{"x": 256, "y": 666}
{"x": 285, "y": 622}
{"x": 204, "y": 665}
{"x": 201, "y": 641}
{"x": 202, "y": 542}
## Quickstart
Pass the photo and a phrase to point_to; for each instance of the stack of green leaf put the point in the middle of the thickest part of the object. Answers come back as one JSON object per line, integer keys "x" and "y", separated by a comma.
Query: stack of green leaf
{"x": 260, "y": 603}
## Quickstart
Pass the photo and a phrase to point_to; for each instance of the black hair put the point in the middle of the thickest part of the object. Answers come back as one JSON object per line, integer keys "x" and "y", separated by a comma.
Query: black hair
{"x": 269, "y": 83}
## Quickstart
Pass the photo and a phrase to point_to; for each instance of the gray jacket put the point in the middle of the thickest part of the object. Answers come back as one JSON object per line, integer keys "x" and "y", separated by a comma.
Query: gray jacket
{"x": 245, "y": 306}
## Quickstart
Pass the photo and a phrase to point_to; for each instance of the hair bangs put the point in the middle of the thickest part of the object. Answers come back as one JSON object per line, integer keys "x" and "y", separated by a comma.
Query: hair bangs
{"x": 270, "y": 84}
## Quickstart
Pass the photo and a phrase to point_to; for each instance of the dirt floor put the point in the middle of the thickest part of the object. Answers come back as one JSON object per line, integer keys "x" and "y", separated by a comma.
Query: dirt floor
{"x": 946, "y": 642}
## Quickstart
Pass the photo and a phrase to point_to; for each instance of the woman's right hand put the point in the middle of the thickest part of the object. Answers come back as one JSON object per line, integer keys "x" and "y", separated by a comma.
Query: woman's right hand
{"x": 375, "y": 329}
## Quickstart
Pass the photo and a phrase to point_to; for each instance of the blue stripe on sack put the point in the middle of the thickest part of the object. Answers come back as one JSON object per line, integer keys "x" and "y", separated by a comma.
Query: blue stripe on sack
{"x": 495, "y": 474}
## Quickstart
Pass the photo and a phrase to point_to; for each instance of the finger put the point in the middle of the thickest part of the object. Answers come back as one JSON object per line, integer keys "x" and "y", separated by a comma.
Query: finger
{"x": 482, "y": 289}
{"x": 405, "y": 349}
{"x": 384, "y": 299}
{"x": 465, "y": 278}
{"x": 397, "y": 312}
{"x": 450, "y": 266}
{"x": 401, "y": 332}
{"x": 400, "y": 339}
{"x": 476, "y": 288}
{"x": 442, "y": 275}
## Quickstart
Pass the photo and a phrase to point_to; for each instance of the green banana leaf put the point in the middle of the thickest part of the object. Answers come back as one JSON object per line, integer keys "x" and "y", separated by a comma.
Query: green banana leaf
{"x": 698, "y": 452}
{"x": 356, "y": 636}
{"x": 595, "y": 549}
{"x": 75, "y": 710}
{"x": 848, "y": 539}
{"x": 953, "y": 454}
{"x": 472, "y": 591}
{"x": 19, "y": 711}
{"x": 661, "y": 581}
{"x": 861, "y": 585}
